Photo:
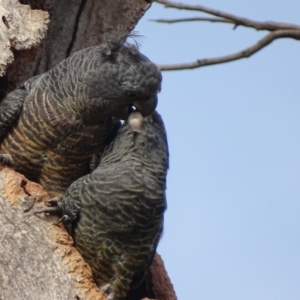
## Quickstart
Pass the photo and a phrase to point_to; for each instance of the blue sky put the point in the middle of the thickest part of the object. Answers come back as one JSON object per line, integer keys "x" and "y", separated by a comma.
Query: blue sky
{"x": 232, "y": 228}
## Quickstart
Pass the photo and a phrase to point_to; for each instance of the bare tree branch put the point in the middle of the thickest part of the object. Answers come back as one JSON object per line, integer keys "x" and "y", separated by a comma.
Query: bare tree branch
{"x": 241, "y": 54}
{"x": 213, "y": 20}
{"x": 271, "y": 26}
{"x": 278, "y": 30}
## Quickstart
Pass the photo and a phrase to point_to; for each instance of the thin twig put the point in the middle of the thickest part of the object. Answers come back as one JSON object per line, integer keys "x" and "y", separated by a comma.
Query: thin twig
{"x": 270, "y": 26}
{"x": 295, "y": 34}
{"x": 213, "y": 20}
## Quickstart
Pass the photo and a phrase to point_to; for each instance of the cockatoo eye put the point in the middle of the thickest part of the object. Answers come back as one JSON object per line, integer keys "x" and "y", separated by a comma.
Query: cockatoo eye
{"x": 131, "y": 108}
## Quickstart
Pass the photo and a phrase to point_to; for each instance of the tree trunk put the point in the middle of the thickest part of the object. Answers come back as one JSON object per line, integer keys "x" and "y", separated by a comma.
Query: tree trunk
{"x": 38, "y": 260}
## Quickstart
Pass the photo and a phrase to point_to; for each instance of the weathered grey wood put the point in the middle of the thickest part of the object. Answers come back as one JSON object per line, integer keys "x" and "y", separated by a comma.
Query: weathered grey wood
{"x": 20, "y": 28}
{"x": 37, "y": 259}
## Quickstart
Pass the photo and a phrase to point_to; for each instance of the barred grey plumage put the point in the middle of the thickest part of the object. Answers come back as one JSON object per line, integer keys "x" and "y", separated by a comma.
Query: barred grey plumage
{"x": 116, "y": 212}
{"x": 68, "y": 113}
{"x": 11, "y": 107}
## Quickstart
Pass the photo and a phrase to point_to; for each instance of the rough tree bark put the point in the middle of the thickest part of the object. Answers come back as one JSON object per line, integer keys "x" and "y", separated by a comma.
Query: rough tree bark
{"x": 21, "y": 28}
{"x": 37, "y": 257}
